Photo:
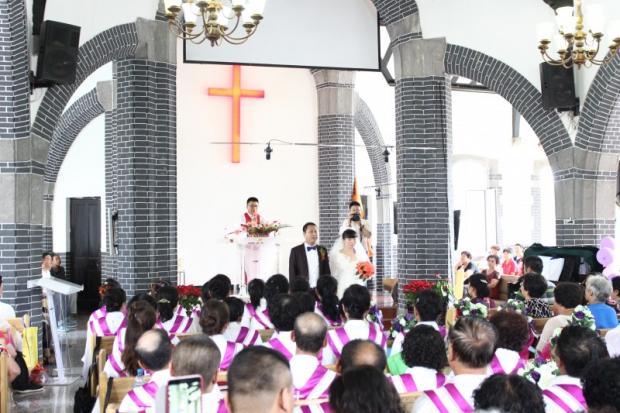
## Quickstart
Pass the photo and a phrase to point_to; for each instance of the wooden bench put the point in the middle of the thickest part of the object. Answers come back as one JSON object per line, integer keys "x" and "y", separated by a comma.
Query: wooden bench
{"x": 266, "y": 334}
{"x": 106, "y": 343}
{"x": 603, "y": 332}
{"x": 120, "y": 387}
{"x": 4, "y": 383}
{"x": 408, "y": 399}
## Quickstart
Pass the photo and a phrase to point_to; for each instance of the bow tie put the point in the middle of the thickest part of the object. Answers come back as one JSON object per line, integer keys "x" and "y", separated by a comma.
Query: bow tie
{"x": 311, "y": 248}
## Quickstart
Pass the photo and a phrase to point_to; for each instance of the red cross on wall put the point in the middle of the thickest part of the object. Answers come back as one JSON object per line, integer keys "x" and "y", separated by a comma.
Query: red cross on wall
{"x": 236, "y": 93}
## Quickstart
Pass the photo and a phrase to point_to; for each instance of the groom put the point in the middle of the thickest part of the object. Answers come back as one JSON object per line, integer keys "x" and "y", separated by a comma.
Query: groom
{"x": 309, "y": 260}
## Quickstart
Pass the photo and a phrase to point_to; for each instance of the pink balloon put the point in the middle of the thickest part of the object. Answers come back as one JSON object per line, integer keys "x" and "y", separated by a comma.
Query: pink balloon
{"x": 608, "y": 242}
{"x": 605, "y": 256}
{"x": 610, "y": 272}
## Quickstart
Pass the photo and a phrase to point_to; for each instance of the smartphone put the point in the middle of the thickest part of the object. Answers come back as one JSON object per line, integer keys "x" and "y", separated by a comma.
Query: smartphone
{"x": 184, "y": 394}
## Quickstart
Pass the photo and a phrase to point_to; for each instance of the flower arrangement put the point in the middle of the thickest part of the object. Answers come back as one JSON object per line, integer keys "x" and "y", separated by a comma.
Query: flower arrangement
{"x": 582, "y": 316}
{"x": 189, "y": 297}
{"x": 365, "y": 270}
{"x": 262, "y": 230}
{"x": 402, "y": 324}
{"x": 517, "y": 306}
{"x": 375, "y": 316}
{"x": 466, "y": 308}
{"x": 541, "y": 371}
{"x": 414, "y": 287}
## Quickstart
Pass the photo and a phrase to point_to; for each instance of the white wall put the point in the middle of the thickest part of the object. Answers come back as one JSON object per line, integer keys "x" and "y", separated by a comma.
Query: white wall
{"x": 82, "y": 174}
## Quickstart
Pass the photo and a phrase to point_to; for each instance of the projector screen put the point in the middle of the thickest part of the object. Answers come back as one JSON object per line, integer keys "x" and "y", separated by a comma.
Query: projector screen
{"x": 335, "y": 34}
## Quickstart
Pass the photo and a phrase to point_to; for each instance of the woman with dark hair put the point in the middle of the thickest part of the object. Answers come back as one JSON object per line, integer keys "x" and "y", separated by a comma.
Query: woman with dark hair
{"x": 124, "y": 361}
{"x": 236, "y": 331}
{"x": 343, "y": 260}
{"x": 256, "y": 314}
{"x": 513, "y": 333}
{"x": 328, "y": 305}
{"x": 170, "y": 319}
{"x": 276, "y": 284}
{"x": 424, "y": 353}
{"x": 214, "y": 321}
{"x": 510, "y": 394}
{"x": 479, "y": 291}
{"x": 355, "y": 305}
{"x": 363, "y": 390}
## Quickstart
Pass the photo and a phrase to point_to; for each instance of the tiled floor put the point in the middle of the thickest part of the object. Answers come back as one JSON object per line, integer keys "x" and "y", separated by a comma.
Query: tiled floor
{"x": 57, "y": 399}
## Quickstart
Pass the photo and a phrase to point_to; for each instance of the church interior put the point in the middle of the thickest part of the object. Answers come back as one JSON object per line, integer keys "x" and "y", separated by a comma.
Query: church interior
{"x": 152, "y": 144}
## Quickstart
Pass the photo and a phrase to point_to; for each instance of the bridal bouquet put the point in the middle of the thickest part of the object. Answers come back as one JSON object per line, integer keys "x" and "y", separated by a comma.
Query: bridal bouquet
{"x": 189, "y": 297}
{"x": 365, "y": 270}
{"x": 263, "y": 230}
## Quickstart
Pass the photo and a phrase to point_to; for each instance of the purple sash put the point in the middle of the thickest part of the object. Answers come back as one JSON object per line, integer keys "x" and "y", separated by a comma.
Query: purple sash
{"x": 497, "y": 368}
{"x": 277, "y": 345}
{"x": 344, "y": 339}
{"x": 256, "y": 316}
{"x": 443, "y": 331}
{"x": 441, "y": 379}
{"x": 150, "y": 389}
{"x": 304, "y": 391}
{"x": 243, "y": 333}
{"x": 229, "y": 354}
{"x": 455, "y": 395}
{"x": 332, "y": 323}
{"x": 411, "y": 386}
{"x": 324, "y": 407}
{"x": 180, "y": 310}
{"x": 118, "y": 349}
{"x": 221, "y": 408}
{"x": 575, "y": 391}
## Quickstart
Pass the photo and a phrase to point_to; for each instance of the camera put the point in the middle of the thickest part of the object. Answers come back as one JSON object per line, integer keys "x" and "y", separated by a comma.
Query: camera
{"x": 356, "y": 217}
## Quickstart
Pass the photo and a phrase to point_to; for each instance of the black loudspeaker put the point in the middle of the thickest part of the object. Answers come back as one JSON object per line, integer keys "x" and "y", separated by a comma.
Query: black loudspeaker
{"x": 457, "y": 227}
{"x": 58, "y": 52}
{"x": 38, "y": 10}
{"x": 558, "y": 87}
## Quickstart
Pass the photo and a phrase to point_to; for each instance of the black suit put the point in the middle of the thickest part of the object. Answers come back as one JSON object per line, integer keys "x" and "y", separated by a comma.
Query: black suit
{"x": 298, "y": 262}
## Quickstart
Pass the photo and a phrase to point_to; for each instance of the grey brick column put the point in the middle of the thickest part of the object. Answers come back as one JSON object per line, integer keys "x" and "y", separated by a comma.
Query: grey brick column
{"x": 585, "y": 191}
{"x": 495, "y": 183}
{"x": 21, "y": 160}
{"x": 145, "y": 144}
{"x": 335, "y": 93}
{"x": 536, "y": 192}
{"x": 423, "y": 152}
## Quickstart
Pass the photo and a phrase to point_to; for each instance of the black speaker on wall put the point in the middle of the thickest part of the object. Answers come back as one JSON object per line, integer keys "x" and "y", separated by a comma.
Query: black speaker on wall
{"x": 457, "y": 227}
{"x": 557, "y": 85}
{"x": 58, "y": 52}
{"x": 38, "y": 10}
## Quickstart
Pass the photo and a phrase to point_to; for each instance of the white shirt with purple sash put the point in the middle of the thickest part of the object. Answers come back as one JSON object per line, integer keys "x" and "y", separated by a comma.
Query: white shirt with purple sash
{"x": 506, "y": 362}
{"x": 331, "y": 323}
{"x": 456, "y": 396}
{"x": 259, "y": 318}
{"x": 237, "y": 333}
{"x": 283, "y": 343}
{"x": 352, "y": 330}
{"x": 418, "y": 379}
{"x": 178, "y": 324}
{"x": 397, "y": 345}
{"x": 228, "y": 350}
{"x": 115, "y": 367}
{"x": 564, "y": 395}
{"x": 142, "y": 399}
{"x": 100, "y": 324}
{"x": 311, "y": 380}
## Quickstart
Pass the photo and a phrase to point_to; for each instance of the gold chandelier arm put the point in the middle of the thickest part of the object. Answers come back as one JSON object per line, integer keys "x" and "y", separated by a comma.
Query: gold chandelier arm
{"x": 224, "y": 33}
{"x": 182, "y": 33}
{"x": 244, "y": 38}
{"x": 235, "y": 42}
{"x": 549, "y": 59}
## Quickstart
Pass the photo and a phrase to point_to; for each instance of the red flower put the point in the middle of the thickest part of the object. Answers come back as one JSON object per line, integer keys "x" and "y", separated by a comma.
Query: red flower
{"x": 365, "y": 270}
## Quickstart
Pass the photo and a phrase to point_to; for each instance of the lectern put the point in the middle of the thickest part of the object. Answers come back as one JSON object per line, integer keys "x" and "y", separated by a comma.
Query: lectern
{"x": 54, "y": 287}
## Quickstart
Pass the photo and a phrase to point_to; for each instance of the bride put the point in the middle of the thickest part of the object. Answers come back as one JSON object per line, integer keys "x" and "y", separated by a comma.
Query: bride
{"x": 344, "y": 256}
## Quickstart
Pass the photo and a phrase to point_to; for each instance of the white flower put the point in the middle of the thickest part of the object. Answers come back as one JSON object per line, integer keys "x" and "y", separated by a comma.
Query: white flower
{"x": 402, "y": 322}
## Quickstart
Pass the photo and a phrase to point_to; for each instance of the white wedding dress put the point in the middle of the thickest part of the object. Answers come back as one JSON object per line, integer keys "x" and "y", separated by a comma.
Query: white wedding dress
{"x": 343, "y": 268}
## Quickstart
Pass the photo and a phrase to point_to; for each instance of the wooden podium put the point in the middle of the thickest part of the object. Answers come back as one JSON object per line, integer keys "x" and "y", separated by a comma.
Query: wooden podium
{"x": 53, "y": 287}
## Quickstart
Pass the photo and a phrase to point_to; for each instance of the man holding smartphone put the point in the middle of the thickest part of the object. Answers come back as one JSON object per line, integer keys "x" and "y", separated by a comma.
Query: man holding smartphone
{"x": 356, "y": 222}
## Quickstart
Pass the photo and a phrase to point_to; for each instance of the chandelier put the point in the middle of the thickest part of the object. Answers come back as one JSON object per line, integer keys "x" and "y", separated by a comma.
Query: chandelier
{"x": 577, "y": 46}
{"x": 214, "y": 20}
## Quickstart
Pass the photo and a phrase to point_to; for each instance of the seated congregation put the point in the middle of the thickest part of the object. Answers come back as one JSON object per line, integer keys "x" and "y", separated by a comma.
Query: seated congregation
{"x": 292, "y": 348}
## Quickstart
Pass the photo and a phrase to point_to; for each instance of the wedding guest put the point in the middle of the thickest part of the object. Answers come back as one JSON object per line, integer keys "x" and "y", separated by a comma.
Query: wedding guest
{"x": 427, "y": 309}
{"x": 311, "y": 380}
{"x": 363, "y": 390}
{"x": 425, "y": 356}
{"x": 154, "y": 352}
{"x": 218, "y": 287}
{"x": 508, "y": 393}
{"x": 361, "y": 353}
{"x": 509, "y": 267}
{"x": 355, "y": 305}
{"x": 328, "y": 304}
{"x": 466, "y": 265}
{"x": 576, "y": 348}
{"x": 307, "y": 302}
{"x": 471, "y": 344}
{"x": 46, "y": 264}
{"x": 601, "y": 386}
{"x": 284, "y": 309}
{"x": 256, "y": 314}
{"x": 170, "y": 319}
{"x": 533, "y": 288}
{"x": 567, "y": 296}
{"x": 355, "y": 221}
{"x": 197, "y": 355}
{"x": 519, "y": 258}
{"x": 259, "y": 381}
{"x": 123, "y": 361}
{"x": 299, "y": 285}
{"x": 614, "y": 300}
{"x": 104, "y": 322}
{"x": 214, "y": 320}
{"x": 494, "y": 250}
{"x": 57, "y": 270}
{"x": 531, "y": 264}
{"x": 492, "y": 275}
{"x": 478, "y": 290}
{"x": 235, "y": 331}
{"x": 276, "y": 284}
{"x": 513, "y": 333}
{"x": 598, "y": 291}
{"x": 309, "y": 260}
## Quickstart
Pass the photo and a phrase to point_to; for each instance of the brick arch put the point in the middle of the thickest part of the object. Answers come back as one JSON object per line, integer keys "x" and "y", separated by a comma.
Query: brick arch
{"x": 515, "y": 88}
{"x": 600, "y": 111}
{"x": 115, "y": 43}
{"x": 70, "y": 124}
{"x": 368, "y": 129}
{"x": 391, "y": 11}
